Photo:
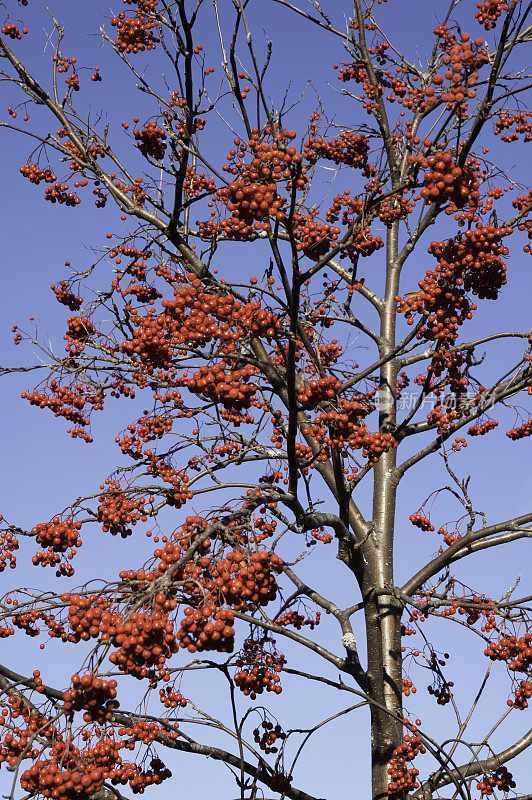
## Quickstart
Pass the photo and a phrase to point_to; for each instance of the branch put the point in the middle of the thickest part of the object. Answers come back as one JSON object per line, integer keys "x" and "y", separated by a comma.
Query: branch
{"x": 441, "y": 561}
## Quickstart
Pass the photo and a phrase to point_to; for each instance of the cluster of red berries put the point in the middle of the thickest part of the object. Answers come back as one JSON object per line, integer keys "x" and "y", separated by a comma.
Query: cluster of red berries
{"x": 444, "y": 180}
{"x": 315, "y": 237}
{"x": 58, "y": 534}
{"x": 118, "y": 509}
{"x": 171, "y": 699}
{"x": 516, "y": 652}
{"x": 253, "y": 196}
{"x": 79, "y": 330}
{"x": 464, "y": 607}
{"x": 420, "y": 521}
{"x": 207, "y": 628}
{"x": 258, "y": 668}
{"x": 404, "y": 778}
{"x": 66, "y": 297}
{"x": 145, "y": 641}
{"x": 351, "y": 433}
{"x": 489, "y": 12}
{"x": 11, "y": 30}
{"x": 471, "y": 261}
{"x": 392, "y": 209}
{"x": 348, "y": 148}
{"x": 8, "y": 545}
{"x": 139, "y": 779}
{"x": 35, "y": 174}
{"x": 522, "y": 695}
{"x": 196, "y": 184}
{"x": 249, "y": 204}
{"x": 151, "y": 141}
{"x": 141, "y": 292}
{"x": 228, "y": 387}
{"x": 463, "y": 60}
{"x": 149, "y": 341}
{"x": 295, "y": 620}
{"x": 49, "y": 779}
{"x": 519, "y": 121}
{"x": 177, "y": 496}
{"x": 481, "y": 428}
{"x": 204, "y": 316}
{"x": 62, "y": 405}
{"x": 355, "y": 71}
{"x": 500, "y": 778}
{"x": 58, "y": 193}
{"x": 134, "y": 34}
{"x": 245, "y": 583}
{"x": 269, "y": 735}
{"x": 314, "y": 392}
{"x": 520, "y": 432}
{"x": 97, "y": 697}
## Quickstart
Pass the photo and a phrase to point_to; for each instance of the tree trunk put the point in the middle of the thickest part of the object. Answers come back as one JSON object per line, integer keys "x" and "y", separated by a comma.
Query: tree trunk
{"x": 383, "y": 612}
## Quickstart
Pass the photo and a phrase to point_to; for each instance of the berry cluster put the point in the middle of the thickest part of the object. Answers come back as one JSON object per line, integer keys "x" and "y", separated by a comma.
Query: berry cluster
{"x": 145, "y": 641}
{"x": 149, "y": 341}
{"x": 78, "y": 332}
{"x": 517, "y": 653}
{"x": 11, "y": 30}
{"x": 8, "y": 545}
{"x": 296, "y": 620}
{"x": 230, "y": 388}
{"x": 66, "y": 403}
{"x": 35, "y": 174}
{"x": 258, "y": 668}
{"x": 254, "y": 197}
{"x": 95, "y": 695}
{"x": 489, "y": 12}
{"x": 463, "y": 59}
{"x": 444, "y": 180}
{"x": 58, "y": 534}
{"x": 348, "y": 148}
{"x": 269, "y": 735}
{"x": 134, "y": 34}
{"x": 314, "y": 392}
{"x": 118, "y": 510}
{"x": 207, "y": 628}
{"x": 315, "y": 237}
{"x": 249, "y": 204}
{"x": 501, "y": 779}
{"x": 521, "y": 432}
{"x": 522, "y": 695}
{"x": 58, "y": 193}
{"x": 49, "y": 779}
{"x": 471, "y": 261}
{"x": 404, "y": 778}
{"x": 171, "y": 699}
{"x": 481, "y": 428}
{"x": 420, "y": 521}
{"x": 346, "y": 429}
{"x": 196, "y": 184}
{"x": 66, "y": 297}
{"x": 519, "y": 121}
{"x": 151, "y": 141}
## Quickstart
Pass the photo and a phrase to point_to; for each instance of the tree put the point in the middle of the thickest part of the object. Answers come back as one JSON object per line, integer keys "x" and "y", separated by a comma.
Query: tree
{"x": 263, "y": 442}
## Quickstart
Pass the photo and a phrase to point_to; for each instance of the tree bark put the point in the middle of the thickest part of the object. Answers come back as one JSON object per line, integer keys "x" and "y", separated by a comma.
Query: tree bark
{"x": 383, "y": 611}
